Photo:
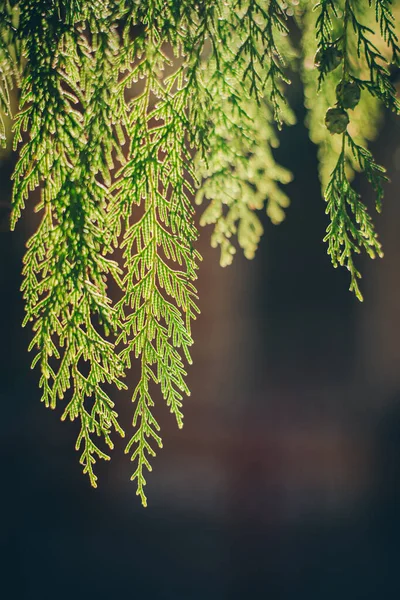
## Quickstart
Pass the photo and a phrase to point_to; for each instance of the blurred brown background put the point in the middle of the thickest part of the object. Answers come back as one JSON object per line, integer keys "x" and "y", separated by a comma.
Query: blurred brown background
{"x": 284, "y": 481}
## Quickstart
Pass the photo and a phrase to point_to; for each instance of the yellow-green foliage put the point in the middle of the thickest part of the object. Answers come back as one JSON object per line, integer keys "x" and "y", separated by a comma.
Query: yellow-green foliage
{"x": 348, "y": 29}
{"x": 238, "y": 170}
{"x": 129, "y": 114}
{"x": 364, "y": 119}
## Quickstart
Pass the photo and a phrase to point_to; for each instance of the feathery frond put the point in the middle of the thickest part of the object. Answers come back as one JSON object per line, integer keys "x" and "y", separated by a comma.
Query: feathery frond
{"x": 350, "y": 60}
{"x": 160, "y": 260}
{"x": 244, "y": 78}
{"x": 65, "y": 267}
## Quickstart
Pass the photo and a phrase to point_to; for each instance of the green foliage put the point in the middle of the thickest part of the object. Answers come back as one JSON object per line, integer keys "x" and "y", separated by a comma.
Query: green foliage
{"x": 153, "y": 201}
{"x": 199, "y": 92}
{"x": 245, "y": 101}
{"x": 341, "y": 26}
{"x": 66, "y": 267}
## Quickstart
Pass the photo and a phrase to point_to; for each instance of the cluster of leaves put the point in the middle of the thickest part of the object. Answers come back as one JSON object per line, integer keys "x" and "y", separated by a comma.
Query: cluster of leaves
{"x": 353, "y": 64}
{"x": 199, "y": 92}
{"x": 243, "y": 77}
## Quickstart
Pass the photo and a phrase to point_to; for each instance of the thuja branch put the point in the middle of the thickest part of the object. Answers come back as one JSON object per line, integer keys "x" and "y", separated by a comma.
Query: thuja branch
{"x": 349, "y": 235}
{"x": 160, "y": 260}
{"x": 239, "y": 171}
{"x": 65, "y": 265}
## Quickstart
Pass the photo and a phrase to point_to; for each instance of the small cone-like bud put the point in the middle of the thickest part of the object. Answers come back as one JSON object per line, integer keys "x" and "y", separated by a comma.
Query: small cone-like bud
{"x": 336, "y": 120}
{"x": 328, "y": 58}
{"x": 348, "y": 94}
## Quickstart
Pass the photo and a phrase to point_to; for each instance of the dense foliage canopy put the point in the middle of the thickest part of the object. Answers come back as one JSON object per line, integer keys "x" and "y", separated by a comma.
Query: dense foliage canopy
{"x": 130, "y": 112}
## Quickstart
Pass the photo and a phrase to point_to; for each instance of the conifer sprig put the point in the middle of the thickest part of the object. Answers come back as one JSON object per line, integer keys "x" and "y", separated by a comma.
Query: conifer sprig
{"x": 238, "y": 170}
{"x": 257, "y": 25}
{"x": 346, "y": 236}
{"x": 351, "y": 228}
{"x": 240, "y": 174}
{"x": 159, "y": 299}
{"x": 387, "y": 24}
{"x": 379, "y": 83}
{"x": 365, "y": 118}
{"x": 65, "y": 267}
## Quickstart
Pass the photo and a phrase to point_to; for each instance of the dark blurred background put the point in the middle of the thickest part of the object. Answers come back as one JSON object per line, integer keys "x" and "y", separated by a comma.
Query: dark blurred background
{"x": 283, "y": 483}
